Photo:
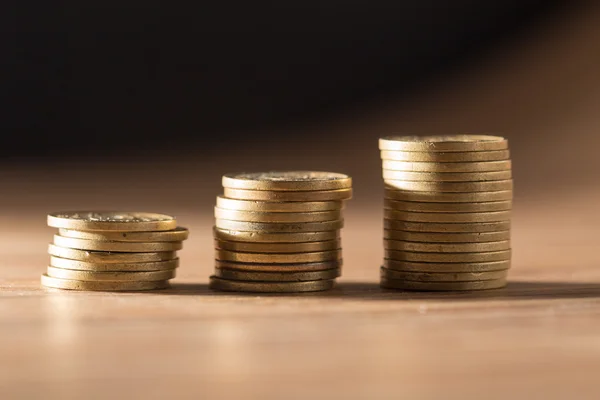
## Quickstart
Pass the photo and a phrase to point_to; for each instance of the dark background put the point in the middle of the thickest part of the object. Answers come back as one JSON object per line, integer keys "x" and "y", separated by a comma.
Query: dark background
{"x": 103, "y": 78}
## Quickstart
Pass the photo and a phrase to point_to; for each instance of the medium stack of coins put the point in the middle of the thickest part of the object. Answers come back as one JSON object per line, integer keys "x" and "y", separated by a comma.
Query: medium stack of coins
{"x": 448, "y": 202}
{"x": 279, "y": 231}
{"x": 113, "y": 251}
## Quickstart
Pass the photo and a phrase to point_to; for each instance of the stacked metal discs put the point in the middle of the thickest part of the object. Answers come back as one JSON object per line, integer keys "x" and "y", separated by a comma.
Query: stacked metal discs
{"x": 448, "y": 203}
{"x": 113, "y": 251}
{"x": 279, "y": 231}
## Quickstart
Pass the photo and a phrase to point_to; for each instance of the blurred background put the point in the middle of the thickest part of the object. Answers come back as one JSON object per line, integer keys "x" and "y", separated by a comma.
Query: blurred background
{"x": 143, "y": 105}
{"x": 292, "y": 84}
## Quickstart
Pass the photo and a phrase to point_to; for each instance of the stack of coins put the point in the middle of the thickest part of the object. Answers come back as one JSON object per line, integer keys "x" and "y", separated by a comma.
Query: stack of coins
{"x": 448, "y": 202}
{"x": 113, "y": 251}
{"x": 279, "y": 231}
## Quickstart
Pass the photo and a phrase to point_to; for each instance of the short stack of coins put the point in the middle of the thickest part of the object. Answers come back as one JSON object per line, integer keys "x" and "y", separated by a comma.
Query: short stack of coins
{"x": 448, "y": 202}
{"x": 113, "y": 251}
{"x": 279, "y": 232}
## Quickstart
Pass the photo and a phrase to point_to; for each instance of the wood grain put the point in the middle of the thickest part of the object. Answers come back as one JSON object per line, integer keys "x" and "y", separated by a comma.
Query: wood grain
{"x": 538, "y": 338}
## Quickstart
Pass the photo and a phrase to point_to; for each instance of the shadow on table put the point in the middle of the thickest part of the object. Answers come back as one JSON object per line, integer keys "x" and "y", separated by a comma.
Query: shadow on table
{"x": 515, "y": 290}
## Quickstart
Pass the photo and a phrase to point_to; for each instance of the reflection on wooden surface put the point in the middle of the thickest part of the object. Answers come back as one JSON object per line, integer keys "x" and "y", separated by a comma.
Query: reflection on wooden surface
{"x": 536, "y": 338}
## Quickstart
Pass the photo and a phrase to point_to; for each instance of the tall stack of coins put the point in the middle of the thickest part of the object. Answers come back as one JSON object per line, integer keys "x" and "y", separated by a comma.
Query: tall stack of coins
{"x": 448, "y": 203}
{"x": 279, "y": 231}
{"x": 113, "y": 251}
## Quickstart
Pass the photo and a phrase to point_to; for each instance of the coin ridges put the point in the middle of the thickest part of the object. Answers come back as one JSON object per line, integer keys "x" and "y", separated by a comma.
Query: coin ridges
{"x": 403, "y": 284}
{"x": 447, "y": 211}
{"x": 70, "y": 284}
{"x": 443, "y": 143}
{"x": 270, "y": 287}
{"x": 111, "y": 221}
{"x": 287, "y": 181}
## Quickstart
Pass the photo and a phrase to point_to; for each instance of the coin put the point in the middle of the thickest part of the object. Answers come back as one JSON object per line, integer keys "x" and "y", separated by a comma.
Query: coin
{"x": 279, "y": 227}
{"x": 446, "y": 176}
{"x": 253, "y": 216}
{"x": 111, "y": 221}
{"x": 417, "y": 166}
{"x": 461, "y": 157}
{"x": 266, "y": 237}
{"x": 296, "y": 247}
{"x": 58, "y": 283}
{"x": 446, "y": 143}
{"x": 475, "y": 237}
{"x": 265, "y": 195}
{"x": 278, "y": 206}
{"x": 125, "y": 247}
{"x": 176, "y": 235}
{"x": 446, "y": 227}
{"x": 280, "y": 267}
{"x": 448, "y": 257}
{"x": 415, "y": 206}
{"x": 451, "y": 187}
{"x": 441, "y": 286}
{"x": 443, "y": 276}
{"x": 491, "y": 216}
{"x": 288, "y": 258}
{"x": 103, "y": 267}
{"x": 238, "y": 275}
{"x": 437, "y": 197}
{"x": 96, "y": 276}
{"x": 270, "y": 287}
{"x": 446, "y": 267}
{"x": 287, "y": 181}
{"x": 109, "y": 257}
{"x": 446, "y": 247}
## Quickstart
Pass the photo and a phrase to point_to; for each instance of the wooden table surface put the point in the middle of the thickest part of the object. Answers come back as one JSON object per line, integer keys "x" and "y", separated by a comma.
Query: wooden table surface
{"x": 538, "y": 338}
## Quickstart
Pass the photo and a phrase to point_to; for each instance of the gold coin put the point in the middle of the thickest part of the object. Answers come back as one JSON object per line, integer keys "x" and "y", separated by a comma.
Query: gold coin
{"x": 448, "y": 257}
{"x": 281, "y": 267}
{"x": 96, "y": 276}
{"x": 442, "y": 286}
{"x": 111, "y": 221}
{"x": 176, "y": 235}
{"x": 109, "y": 257}
{"x": 58, "y": 283}
{"x": 426, "y": 207}
{"x": 125, "y": 247}
{"x": 446, "y": 267}
{"x": 449, "y": 157}
{"x": 438, "y": 197}
{"x": 475, "y": 237}
{"x": 279, "y": 227}
{"x": 443, "y": 276}
{"x": 443, "y": 143}
{"x": 287, "y": 258}
{"x": 270, "y": 287}
{"x": 288, "y": 181}
{"x": 237, "y": 275}
{"x": 278, "y": 206}
{"x": 253, "y": 216}
{"x": 266, "y": 237}
{"x": 446, "y": 226}
{"x": 113, "y": 267}
{"x": 446, "y": 247}
{"x": 265, "y": 195}
{"x": 417, "y": 166}
{"x": 300, "y": 247}
{"x": 491, "y": 216}
{"x": 451, "y": 187}
{"x": 446, "y": 176}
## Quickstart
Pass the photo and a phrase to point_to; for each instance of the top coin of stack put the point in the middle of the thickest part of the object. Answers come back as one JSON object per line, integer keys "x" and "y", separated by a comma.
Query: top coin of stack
{"x": 448, "y": 202}
{"x": 279, "y": 231}
{"x": 113, "y": 251}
